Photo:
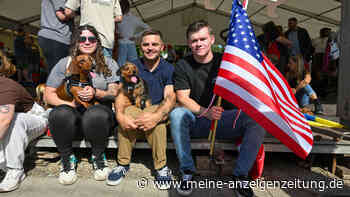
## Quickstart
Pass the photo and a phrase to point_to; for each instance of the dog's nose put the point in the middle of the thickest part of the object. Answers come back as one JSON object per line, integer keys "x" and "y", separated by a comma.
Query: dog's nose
{"x": 134, "y": 72}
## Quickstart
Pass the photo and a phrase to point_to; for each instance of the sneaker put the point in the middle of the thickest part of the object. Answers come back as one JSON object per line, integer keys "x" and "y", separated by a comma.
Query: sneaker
{"x": 242, "y": 188}
{"x": 68, "y": 174}
{"x": 117, "y": 175}
{"x": 163, "y": 178}
{"x": 319, "y": 109}
{"x": 12, "y": 180}
{"x": 185, "y": 188}
{"x": 100, "y": 166}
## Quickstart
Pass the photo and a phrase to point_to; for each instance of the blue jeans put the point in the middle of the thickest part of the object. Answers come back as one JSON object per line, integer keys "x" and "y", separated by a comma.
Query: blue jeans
{"x": 303, "y": 95}
{"x": 126, "y": 52}
{"x": 107, "y": 52}
{"x": 185, "y": 125}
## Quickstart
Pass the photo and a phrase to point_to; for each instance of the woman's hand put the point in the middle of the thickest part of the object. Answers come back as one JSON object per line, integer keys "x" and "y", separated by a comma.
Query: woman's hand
{"x": 87, "y": 94}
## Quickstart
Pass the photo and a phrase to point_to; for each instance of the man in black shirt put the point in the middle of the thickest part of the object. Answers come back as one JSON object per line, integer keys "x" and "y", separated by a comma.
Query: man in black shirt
{"x": 194, "y": 78}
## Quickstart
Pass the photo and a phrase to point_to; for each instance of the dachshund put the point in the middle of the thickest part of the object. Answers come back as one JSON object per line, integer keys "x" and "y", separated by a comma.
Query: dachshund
{"x": 133, "y": 87}
{"x": 7, "y": 69}
{"x": 77, "y": 77}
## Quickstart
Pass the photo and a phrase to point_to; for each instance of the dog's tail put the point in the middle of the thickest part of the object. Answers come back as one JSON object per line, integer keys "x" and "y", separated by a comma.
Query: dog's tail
{"x": 39, "y": 98}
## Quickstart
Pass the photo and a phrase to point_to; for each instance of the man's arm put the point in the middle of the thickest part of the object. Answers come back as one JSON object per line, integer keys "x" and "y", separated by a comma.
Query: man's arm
{"x": 118, "y": 15}
{"x": 70, "y": 7}
{"x": 125, "y": 122}
{"x": 6, "y": 115}
{"x": 183, "y": 97}
{"x": 214, "y": 113}
{"x": 147, "y": 120}
{"x": 168, "y": 102}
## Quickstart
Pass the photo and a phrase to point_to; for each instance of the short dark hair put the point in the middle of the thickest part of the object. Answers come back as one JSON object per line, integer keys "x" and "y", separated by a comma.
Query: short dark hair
{"x": 293, "y": 19}
{"x": 152, "y": 32}
{"x": 198, "y": 25}
{"x": 125, "y": 6}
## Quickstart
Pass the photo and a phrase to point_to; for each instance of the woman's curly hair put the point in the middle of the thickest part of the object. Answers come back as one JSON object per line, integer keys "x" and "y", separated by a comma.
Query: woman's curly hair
{"x": 101, "y": 66}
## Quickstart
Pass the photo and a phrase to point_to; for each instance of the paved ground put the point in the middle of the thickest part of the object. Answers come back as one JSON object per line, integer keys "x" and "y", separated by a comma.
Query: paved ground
{"x": 317, "y": 182}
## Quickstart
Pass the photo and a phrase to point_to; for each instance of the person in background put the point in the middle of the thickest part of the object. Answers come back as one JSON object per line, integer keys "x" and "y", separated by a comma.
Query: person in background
{"x": 19, "y": 49}
{"x": 55, "y": 32}
{"x": 301, "y": 41}
{"x": 274, "y": 44}
{"x": 320, "y": 45}
{"x": 127, "y": 34}
{"x": 299, "y": 80}
{"x": 101, "y": 14}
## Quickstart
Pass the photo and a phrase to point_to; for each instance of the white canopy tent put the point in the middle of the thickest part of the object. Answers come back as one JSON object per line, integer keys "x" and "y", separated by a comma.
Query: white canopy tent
{"x": 173, "y": 16}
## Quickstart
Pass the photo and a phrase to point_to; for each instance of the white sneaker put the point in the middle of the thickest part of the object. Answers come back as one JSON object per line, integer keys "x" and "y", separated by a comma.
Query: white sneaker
{"x": 68, "y": 173}
{"x": 101, "y": 169}
{"x": 12, "y": 180}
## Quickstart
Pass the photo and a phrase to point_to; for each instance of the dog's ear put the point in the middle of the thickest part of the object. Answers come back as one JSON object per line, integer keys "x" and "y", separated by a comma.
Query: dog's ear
{"x": 73, "y": 67}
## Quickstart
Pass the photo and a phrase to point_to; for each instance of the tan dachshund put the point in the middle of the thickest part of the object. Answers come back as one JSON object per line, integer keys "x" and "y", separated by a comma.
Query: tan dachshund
{"x": 7, "y": 69}
{"x": 133, "y": 87}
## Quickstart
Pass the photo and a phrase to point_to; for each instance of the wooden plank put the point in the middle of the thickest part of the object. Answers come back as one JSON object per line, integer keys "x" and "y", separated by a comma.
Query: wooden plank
{"x": 270, "y": 145}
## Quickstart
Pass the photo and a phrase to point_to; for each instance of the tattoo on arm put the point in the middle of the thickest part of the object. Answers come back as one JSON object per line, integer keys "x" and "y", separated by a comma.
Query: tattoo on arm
{"x": 4, "y": 109}
{"x": 167, "y": 99}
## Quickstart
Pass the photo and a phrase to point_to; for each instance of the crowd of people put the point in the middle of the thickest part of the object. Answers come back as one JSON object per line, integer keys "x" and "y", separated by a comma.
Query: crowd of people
{"x": 301, "y": 59}
{"x": 179, "y": 92}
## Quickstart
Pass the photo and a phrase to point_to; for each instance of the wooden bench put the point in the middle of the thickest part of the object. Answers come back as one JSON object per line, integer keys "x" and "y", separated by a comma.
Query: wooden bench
{"x": 326, "y": 141}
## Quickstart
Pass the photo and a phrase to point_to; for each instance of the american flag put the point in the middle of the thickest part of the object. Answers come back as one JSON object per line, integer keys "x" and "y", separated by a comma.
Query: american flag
{"x": 251, "y": 82}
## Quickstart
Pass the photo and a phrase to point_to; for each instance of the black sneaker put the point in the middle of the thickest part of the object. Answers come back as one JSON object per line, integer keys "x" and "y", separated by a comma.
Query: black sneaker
{"x": 242, "y": 188}
{"x": 185, "y": 188}
{"x": 319, "y": 109}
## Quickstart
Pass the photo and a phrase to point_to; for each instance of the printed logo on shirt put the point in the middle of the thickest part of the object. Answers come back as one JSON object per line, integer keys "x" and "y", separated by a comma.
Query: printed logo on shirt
{"x": 103, "y": 2}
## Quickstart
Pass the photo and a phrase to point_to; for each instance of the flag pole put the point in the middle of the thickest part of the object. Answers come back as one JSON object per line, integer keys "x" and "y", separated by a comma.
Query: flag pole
{"x": 212, "y": 133}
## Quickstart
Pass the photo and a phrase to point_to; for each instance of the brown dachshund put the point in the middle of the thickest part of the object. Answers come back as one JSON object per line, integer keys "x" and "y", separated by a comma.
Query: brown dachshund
{"x": 78, "y": 76}
{"x": 6, "y": 68}
{"x": 133, "y": 87}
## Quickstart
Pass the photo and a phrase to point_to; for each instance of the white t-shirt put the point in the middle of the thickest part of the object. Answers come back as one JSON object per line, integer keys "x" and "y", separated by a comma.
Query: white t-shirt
{"x": 100, "y": 14}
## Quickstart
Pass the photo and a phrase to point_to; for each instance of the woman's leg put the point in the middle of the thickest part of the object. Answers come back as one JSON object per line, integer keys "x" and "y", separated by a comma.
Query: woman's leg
{"x": 97, "y": 124}
{"x": 64, "y": 124}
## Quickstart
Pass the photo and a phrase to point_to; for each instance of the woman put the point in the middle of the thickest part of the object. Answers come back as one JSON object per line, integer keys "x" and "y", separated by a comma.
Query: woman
{"x": 274, "y": 45}
{"x": 299, "y": 80}
{"x": 67, "y": 120}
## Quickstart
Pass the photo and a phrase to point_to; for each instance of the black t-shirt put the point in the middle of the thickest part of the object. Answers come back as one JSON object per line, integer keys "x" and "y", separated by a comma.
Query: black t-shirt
{"x": 199, "y": 78}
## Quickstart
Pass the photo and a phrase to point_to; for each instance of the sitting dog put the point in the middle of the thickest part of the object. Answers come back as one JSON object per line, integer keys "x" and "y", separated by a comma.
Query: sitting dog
{"x": 133, "y": 87}
{"x": 77, "y": 77}
{"x": 7, "y": 69}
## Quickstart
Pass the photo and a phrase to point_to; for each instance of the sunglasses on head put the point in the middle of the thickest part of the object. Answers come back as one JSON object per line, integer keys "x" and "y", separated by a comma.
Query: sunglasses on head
{"x": 91, "y": 39}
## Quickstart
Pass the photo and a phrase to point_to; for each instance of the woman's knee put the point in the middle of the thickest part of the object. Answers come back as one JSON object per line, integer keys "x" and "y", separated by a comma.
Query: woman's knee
{"x": 63, "y": 113}
{"x": 97, "y": 114}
